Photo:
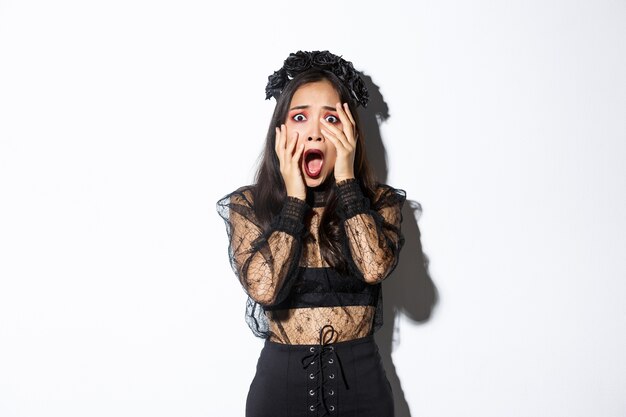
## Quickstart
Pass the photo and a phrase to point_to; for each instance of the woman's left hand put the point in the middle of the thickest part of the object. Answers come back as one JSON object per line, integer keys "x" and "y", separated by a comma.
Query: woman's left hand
{"x": 345, "y": 142}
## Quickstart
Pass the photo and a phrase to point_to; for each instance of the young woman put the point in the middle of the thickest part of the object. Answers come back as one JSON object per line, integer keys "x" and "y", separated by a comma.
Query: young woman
{"x": 310, "y": 241}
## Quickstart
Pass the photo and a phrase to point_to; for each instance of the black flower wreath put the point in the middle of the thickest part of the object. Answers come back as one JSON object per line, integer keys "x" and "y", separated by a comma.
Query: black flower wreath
{"x": 301, "y": 61}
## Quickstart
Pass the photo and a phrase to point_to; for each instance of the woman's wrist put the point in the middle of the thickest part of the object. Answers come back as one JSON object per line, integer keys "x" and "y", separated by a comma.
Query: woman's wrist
{"x": 341, "y": 179}
{"x": 351, "y": 198}
{"x": 291, "y": 217}
{"x": 298, "y": 196}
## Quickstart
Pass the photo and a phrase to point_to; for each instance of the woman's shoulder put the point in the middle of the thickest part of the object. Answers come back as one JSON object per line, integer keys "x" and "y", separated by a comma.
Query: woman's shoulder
{"x": 385, "y": 195}
{"x": 241, "y": 196}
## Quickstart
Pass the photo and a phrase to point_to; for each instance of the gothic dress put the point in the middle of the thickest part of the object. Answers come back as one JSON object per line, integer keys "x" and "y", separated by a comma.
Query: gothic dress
{"x": 319, "y": 356}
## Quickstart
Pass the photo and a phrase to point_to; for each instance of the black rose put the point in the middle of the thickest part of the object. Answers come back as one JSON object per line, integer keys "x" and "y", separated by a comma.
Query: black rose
{"x": 296, "y": 63}
{"x": 324, "y": 59}
{"x": 360, "y": 91}
{"x": 275, "y": 83}
{"x": 341, "y": 70}
{"x": 301, "y": 61}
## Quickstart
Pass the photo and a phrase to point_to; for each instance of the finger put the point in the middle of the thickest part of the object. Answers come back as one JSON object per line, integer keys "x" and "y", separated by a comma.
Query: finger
{"x": 283, "y": 143}
{"x": 349, "y": 113}
{"x": 292, "y": 143}
{"x": 331, "y": 127}
{"x": 283, "y": 131}
{"x": 339, "y": 145}
{"x": 347, "y": 123}
{"x": 277, "y": 142}
{"x": 335, "y": 131}
{"x": 298, "y": 154}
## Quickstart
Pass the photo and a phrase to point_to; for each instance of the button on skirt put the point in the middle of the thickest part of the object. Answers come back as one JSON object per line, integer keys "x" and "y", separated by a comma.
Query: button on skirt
{"x": 344, "y": 379}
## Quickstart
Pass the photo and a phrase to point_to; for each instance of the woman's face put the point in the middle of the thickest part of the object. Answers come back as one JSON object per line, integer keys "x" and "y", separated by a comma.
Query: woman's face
{"x": 310, "y": 103}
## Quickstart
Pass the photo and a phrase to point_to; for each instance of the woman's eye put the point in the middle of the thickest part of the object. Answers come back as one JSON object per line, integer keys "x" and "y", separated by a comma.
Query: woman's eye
{"x": 299, "y": 117}
{"x": 331, "y": 119}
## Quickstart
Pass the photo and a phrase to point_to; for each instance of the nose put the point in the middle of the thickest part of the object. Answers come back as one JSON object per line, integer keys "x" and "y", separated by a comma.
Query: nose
{"x": 315, "y": 133}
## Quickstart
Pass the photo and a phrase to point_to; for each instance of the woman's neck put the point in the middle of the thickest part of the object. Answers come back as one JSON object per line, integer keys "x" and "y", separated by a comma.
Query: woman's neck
{"x": 317, "y": 196}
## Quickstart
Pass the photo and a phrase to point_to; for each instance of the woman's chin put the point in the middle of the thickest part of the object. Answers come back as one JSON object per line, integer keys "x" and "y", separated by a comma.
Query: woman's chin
{"x": 315, "y": 182}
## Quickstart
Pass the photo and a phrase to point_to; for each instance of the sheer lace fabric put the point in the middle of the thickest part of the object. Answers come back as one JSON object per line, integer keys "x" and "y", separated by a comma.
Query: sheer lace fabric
{"x": 301, "y": 326}
{"x": 292, "y": 291}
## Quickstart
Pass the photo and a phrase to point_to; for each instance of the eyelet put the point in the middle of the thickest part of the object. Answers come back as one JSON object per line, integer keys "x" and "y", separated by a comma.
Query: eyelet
{"x": 312, "y": 376}
{"x": 331, "y": 392}
{"x": 331, "y": 408}
{"x": 312, "y": 408}
{"x": 331, "y": 376}
{"x": 312, "y": 349}
{"x": 331, "y": 360}
{"x": 311, "y": 393}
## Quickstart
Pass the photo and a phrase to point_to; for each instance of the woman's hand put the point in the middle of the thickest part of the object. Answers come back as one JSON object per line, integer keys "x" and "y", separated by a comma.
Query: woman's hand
{"x": 345, "y": 142}
{"x": 289, "y": 157}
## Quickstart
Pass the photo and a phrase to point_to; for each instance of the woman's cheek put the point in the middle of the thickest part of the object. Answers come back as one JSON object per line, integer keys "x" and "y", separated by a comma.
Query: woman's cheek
{"x": 301, "y": 139}
{"x": 301, "y": 135}
{"x": 331, "y": 157}
{"x": 293, "y": 128}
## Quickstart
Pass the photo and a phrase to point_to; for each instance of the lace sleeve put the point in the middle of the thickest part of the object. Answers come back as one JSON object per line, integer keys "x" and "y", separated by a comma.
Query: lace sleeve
{"x": 263, "y": 261}
{"x": 372, "y": 231}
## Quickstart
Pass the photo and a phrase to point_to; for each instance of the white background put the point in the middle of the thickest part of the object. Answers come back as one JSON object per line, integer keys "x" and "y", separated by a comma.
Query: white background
{"x": 123, "y": 122}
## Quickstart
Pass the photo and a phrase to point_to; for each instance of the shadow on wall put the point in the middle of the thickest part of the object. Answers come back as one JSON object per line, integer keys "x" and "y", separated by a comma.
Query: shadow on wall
{"x": 409, "y": 290}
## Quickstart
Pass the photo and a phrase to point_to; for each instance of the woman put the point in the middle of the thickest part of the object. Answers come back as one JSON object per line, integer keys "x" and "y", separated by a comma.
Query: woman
{"x": 311, "y": 242}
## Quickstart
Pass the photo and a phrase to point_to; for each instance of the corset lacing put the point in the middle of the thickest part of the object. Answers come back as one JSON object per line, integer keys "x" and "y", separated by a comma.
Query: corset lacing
{"x": 325, "y": 360}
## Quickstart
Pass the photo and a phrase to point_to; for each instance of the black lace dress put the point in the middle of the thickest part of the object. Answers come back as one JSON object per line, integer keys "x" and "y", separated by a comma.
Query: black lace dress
{"x": 294, "y": 297}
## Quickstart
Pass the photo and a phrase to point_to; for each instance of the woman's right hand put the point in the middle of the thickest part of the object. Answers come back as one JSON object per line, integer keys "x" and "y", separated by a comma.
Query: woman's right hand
{"x": 289, "y": 156}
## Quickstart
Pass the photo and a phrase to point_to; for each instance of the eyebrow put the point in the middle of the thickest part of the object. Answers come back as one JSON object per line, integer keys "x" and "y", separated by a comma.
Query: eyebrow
{"x": 306, "y": 106}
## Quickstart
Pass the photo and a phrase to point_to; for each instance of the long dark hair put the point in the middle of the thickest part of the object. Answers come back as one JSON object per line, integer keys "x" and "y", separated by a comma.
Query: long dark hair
{"x": 269, "y": 191}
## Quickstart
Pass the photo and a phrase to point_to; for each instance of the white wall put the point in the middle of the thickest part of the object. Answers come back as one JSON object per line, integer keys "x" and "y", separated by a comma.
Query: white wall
{"x": 122, "y": 122}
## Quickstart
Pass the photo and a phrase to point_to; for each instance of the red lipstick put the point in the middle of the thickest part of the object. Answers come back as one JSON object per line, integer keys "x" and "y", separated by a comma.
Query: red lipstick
{"x": 313, "y": 162}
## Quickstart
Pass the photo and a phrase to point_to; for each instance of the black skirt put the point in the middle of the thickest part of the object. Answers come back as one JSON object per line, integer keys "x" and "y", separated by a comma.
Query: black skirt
{"x": 344, "y": 379}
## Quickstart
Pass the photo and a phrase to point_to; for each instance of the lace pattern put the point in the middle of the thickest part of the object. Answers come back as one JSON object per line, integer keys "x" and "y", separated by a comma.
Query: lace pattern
{"x": 372, "y": 236}
{"x": 298, "y": 326}
{"x": 267, "y": 262}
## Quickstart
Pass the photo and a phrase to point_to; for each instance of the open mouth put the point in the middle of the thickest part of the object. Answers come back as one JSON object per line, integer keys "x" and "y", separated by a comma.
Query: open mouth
{"x": 313, "y": 161}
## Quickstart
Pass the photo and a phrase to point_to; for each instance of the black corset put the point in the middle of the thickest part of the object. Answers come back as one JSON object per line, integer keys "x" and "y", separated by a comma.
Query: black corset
{"x": 325, "y": 287}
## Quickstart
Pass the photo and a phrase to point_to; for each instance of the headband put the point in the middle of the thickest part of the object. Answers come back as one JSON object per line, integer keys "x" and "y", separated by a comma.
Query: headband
{"x": 302, "y": 61}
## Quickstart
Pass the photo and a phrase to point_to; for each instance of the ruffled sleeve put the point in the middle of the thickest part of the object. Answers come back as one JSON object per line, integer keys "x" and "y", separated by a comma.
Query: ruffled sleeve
{"x": 264, "y": 261}
{"x": 372, "y": 229}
